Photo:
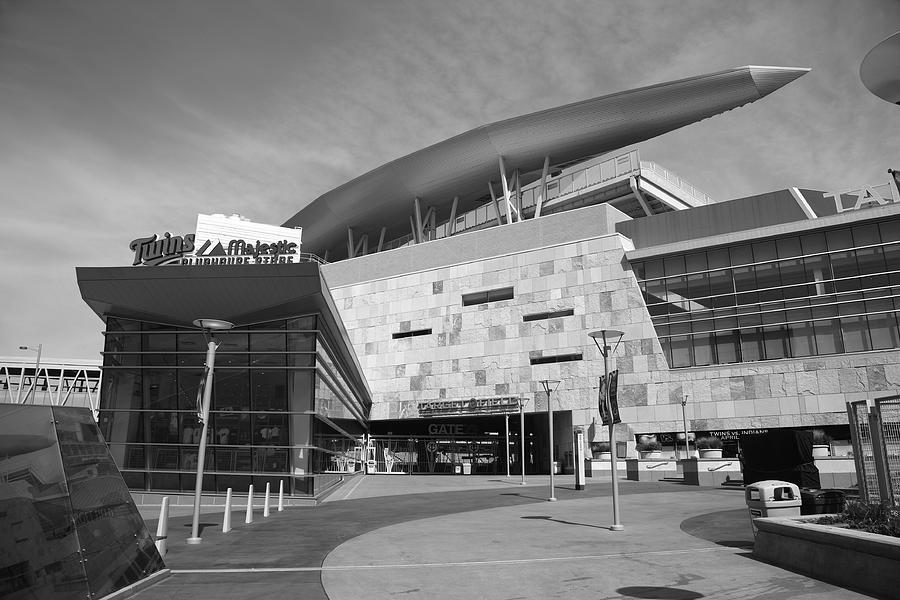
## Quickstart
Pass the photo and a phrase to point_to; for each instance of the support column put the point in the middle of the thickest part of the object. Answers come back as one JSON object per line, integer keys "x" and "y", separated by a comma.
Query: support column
{"x": 496, "y": 204}
{"x": 543, "y": 197}
{"x": 420, "y": 235}
{"x": 636, "y": 189}
{"x": 451, "y": 226}
{"x": 381, "y": 239}
{"x": 506, "y": 194}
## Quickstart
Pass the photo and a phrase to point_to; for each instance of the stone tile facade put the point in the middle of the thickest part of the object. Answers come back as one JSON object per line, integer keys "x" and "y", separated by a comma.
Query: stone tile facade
{"x": 486, "y": 349}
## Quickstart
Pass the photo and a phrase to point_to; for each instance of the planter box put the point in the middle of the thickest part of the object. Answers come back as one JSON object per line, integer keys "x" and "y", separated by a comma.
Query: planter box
{"x": 604, "y": 466}
{"x": 710, "y": 471}
{"x": 853, "y": 559}
{"x": 651, "y": 469}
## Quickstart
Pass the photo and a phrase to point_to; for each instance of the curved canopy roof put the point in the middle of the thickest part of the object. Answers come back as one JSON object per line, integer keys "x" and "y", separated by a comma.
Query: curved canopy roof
{"x": 463, "y": 165}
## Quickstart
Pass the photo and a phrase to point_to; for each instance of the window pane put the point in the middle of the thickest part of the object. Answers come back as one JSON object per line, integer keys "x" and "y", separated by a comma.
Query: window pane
{"x": 267, "y": 342}
{"x": 866, "y": 235}
{"x": 231, "y": 429}
{"x": 727, "y": 347}
{"x": 231, "y": 390}
{"x": 764, "y": 251}
{"x": 751, "y": 345}
{"x": 681, "y": 351}
{"x": 122, "y": 388}
{"x": 803, "y": 339}
{"x": 269, "y": 389}
{"x": 883, "y": 329}
{"x": 855, "y": 332}
{"x": 160, "y": 389}
{"x": 788, "y": 247}
{"x": 839, "y": 239}
{"x": 301, "y": 390}
{"x": 776, "y": 342}
{"x": 164, "y": 428}
{"x": 703, "y": 353}
{"x": 828, "y": 337}
{"x": 674, "y": 265}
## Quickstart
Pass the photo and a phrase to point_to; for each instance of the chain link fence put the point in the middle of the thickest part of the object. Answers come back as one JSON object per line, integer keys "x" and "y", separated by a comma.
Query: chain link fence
{"x": 875, "y": 432}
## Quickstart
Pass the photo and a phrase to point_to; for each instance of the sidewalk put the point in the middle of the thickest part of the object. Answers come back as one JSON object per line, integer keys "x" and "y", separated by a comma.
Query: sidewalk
{"x": 485, "y": 537}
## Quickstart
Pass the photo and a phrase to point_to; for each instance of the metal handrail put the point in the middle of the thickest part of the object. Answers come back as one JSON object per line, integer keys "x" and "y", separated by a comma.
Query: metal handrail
{"x": 722, "y": 466}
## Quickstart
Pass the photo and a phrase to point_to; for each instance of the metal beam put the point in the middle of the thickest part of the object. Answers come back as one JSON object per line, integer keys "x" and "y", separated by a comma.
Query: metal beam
{"x": 451, "y": 226}
{"x": 496, "y": 204}
{"x": 543, "y": 196}
{"x": 636, "y": 188}
{"x": 350, "y": 246}
{"x": 803, "y": 204}
{"x": 381, "y": 238}
{"x": 420, "y": 235}
{"x": 505, "y": 184}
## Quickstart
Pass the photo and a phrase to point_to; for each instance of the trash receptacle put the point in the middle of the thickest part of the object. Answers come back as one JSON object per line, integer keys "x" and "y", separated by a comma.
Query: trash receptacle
{"x": 467, "y": 468}
{"x": 457, "y": 469}
{"x": 821, "y": 502}
{"x": 556, "y": 467}
{"x": 772, "y": 498}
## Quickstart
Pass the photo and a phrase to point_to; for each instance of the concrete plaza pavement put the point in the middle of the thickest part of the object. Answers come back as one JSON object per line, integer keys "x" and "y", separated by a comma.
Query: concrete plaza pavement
{"x": 485, "y": 537}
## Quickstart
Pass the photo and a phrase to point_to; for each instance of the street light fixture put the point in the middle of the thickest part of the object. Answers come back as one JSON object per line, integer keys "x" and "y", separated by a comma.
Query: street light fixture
{"x": 606, "y": 335}
{"x": 550, "y": 385}
{"x": 37, "y": 366}
{"x": 209, "y": 327}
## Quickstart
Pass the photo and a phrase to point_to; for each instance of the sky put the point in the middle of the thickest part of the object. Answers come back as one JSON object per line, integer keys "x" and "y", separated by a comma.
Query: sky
{"x": 124, "y": 118}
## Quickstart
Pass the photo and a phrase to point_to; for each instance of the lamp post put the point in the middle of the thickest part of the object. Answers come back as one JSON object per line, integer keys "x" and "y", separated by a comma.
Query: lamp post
{"x": 605, "y": 350}
{"x": 522, "y": 437}
{"x": 549, "y": 386}
{"x": 209, "y": 327}
{"x": 37, "y": 366}
{"x": 687, "y": 444}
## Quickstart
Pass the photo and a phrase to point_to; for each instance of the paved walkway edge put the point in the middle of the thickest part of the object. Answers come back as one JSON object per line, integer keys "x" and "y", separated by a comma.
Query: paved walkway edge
{"x": 130, "y": 590}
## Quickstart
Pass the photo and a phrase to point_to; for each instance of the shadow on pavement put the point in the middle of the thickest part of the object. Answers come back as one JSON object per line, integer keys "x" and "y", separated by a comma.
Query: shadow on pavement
{"x": 546, "y": 518}
{"x": 659, "y": 593}
{"x": 729, "y": 528}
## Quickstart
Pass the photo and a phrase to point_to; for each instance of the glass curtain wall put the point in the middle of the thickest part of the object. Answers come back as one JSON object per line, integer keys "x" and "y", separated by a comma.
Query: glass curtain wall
{"x": 263, "y": 413}
{"x": 820, "y": 293}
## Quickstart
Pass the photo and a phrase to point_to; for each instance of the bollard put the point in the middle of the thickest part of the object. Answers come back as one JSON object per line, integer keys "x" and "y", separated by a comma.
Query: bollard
{"x": 266, "y": 504}
{"x": 249, "y": 517}
{"x": 162, "y": 527}
{"x": 280, "y": 495}
{"x": 226, "y": 520}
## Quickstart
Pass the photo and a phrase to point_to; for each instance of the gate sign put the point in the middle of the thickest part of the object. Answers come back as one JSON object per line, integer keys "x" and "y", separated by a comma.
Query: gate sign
{"x": 473, "y": 406}
{"x": 613, "y": 398}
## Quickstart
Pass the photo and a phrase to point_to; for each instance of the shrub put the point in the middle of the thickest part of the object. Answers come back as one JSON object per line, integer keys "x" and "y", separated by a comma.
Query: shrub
{"x": 873, "y": 517}
{"x": 708, "y": 443}
{"x": 649, "y": 446}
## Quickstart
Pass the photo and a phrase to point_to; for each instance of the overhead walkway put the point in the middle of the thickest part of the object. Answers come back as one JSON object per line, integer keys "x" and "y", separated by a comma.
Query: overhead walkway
{"x": 636, "y": 187}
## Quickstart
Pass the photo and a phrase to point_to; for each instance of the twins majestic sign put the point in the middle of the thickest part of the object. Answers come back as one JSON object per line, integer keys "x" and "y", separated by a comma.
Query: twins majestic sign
{"x": 177, "y": 250}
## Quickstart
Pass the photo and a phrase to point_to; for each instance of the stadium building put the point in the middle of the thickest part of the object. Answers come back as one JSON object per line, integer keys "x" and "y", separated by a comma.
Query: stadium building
{"x": 433, "y": 294}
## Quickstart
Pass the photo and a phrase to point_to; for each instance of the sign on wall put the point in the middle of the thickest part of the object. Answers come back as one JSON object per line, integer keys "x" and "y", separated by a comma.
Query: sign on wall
{"x": 220, "y": 240}
{"x": 472, "y": 406}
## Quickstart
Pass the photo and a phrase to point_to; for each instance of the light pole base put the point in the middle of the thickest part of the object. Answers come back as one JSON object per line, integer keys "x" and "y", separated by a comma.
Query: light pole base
{"x": 551, "y": 499}
{"x": 617, "y": 527}
{"x": 194, "y": 540}
{"x": 522, "y": 483}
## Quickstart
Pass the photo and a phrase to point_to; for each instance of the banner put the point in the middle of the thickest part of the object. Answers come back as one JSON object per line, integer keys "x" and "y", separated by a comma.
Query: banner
{"x": 613, "y": 398}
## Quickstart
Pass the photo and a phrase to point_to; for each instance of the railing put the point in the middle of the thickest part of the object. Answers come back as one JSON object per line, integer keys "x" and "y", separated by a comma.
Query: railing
{"x": 675, "y": 181}
{"x": 570, "y": 182}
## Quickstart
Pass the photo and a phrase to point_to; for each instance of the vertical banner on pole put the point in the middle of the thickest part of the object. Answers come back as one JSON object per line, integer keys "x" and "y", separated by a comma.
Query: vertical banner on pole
{"x": 578, "y": 456}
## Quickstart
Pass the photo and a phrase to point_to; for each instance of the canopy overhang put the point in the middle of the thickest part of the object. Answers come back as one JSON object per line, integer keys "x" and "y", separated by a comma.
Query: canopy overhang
{"x": 463, "y": 165}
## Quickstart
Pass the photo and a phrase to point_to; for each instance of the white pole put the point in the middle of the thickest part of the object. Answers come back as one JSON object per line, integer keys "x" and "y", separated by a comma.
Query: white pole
{"x": 226, "y": 519}
{"x": 266, "y": 504}
{"x": 552, "y": 497}
{"x": 201, "y": 456}
{"x": 506, "y": 422}
{"x": 249, "y": 517}
{"x": 613, "y": 457}
{"x": 687, "y": 444}
{"x": 162, "y": 527}
{"x": 522, "y": 438}
{"x": 280, "y": 495}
